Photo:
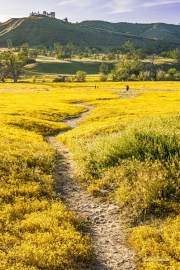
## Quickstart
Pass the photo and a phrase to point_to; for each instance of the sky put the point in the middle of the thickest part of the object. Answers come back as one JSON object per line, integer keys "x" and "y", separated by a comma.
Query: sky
{"x": 134, "y": 11}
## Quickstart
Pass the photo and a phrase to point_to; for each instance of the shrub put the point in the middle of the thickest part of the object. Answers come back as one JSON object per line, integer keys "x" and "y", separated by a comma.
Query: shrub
{"x": 161, "y": 75}
{"x": 144, "y": 76}
{"x": 34, "y": 79}
{"x": 81, "y": 76}
{"x": 103, "y": 77}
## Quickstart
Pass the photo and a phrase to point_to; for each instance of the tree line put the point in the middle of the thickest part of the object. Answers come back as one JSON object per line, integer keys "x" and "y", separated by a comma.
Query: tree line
{"x": 129, "y": 63}
{"x": 131, "y": 67}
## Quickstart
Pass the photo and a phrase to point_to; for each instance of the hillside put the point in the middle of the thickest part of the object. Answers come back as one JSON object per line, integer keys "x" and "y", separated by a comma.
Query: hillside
{"x": 42, "y": 30}
{"x": 138, "y": 29}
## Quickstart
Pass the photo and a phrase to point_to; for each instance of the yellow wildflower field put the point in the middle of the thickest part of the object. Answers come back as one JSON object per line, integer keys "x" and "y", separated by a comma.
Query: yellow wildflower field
{"x": 129, "y": 147}
{"x": 36, "y": 230}
{"x": 114, "y": 113}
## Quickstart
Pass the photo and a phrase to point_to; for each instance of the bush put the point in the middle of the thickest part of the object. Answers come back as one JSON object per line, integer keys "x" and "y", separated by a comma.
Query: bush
{"x": 144, "y": 76}
{"x": 103, "y": 77}
{"x": 81, "y": 76}
{"x": 126, "y": 68}
{"x": 161, "y": 75}
{"x": 34, "y": 79}
{"x": 104, "y": 69}
{"x": 171, "y": 75}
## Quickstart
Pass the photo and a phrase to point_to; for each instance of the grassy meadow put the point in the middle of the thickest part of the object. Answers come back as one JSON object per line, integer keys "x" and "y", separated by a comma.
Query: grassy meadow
{"x": 50, "y": 66}
{"x": 126, "y": 149}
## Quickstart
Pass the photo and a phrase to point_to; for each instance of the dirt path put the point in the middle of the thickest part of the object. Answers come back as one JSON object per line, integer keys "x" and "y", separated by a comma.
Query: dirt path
{"x": 108, "y": 236}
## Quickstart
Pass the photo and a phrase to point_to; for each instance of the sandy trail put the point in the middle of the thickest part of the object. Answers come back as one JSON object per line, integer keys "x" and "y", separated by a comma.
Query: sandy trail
{"x": 110, "y": 250}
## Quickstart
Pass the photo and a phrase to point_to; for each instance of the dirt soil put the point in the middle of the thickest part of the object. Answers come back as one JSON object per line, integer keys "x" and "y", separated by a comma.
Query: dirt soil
{"x": 110, "y": 249}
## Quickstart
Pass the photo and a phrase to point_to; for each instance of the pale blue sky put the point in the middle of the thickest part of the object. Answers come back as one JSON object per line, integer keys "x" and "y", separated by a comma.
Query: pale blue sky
{"x": 139, "y": 11}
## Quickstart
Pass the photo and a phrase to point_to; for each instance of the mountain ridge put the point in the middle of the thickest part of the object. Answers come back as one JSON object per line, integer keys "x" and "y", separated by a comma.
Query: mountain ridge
{"x": 42, "y": 30}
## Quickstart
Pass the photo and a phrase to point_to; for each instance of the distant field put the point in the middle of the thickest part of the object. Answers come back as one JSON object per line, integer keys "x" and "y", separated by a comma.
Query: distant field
{"x": 49, "y": 66}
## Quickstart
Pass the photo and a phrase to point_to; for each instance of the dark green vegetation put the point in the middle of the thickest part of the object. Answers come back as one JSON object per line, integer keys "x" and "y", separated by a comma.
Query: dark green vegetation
{"x": 12, "y": 64}
{"x": 46, "y": 31}
{"x": 153, "y": 30}
{"x": 68, "y": 67}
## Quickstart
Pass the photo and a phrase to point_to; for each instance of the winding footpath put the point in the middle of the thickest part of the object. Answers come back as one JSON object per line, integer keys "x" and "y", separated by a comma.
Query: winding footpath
{"x": 110, "y": 250}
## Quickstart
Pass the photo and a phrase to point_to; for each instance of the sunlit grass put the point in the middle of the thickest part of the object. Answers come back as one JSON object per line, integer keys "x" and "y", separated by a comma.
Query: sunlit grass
{"x": 126, "y": 150}
{"x": 113, "y": 115}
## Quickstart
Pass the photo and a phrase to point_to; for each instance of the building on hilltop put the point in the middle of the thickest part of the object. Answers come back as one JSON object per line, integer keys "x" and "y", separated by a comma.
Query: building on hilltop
{"x": 51, "y": 14}
{"x": 45, "y": 13}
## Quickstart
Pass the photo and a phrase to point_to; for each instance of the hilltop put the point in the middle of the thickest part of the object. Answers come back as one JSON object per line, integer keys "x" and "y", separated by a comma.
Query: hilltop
{"x": 42, "y": 30}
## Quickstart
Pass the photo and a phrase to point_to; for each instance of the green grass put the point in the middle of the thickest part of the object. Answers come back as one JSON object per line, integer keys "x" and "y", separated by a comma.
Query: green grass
{"x": 46, "y": 65}
{"x": 138, "y": 166}
{"x": 66, "y": 67}
{"x": 133, "y": 28}
{"x": 50, "y": 66}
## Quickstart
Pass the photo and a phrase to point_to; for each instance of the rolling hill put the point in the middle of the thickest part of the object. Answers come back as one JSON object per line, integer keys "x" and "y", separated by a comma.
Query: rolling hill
{"x": 42, "y": 30}
{"x": 135, "y": 28}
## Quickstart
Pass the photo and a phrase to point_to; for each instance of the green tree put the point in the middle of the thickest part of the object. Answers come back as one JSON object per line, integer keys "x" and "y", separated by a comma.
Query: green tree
{"x": 144, "y": 76}
{"x": 103, "y": 77}
{"x": 103, "y": 71}
{"x": 173, "y": 74}
{"x": 111, "y": 56}
{"x": 25, "y": 48}
{"x": 140, "y": 53}
{"x": 167, "y": 54}
{"x": 70, "y": 50}
{"x": 93, "y": 50}
{"x": 172, "y": 71}
{"x": 60, "y": 55}
{"x": 33, "y": 54}
{"x": 57, "y": 47}
{"x": 80, "y": 76}
{"x": 58, "y": 51}
{"x": 13, "y": 64}
{"x": 3, "y": 74}
{"x": 103, "y": 68}
{"x": 161, "y": 75}
{"x": 176, "y": 55}
{"x": 129, "y": 48}
{"x": 80, "y": 55}
{"x": 126, "y": 69}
